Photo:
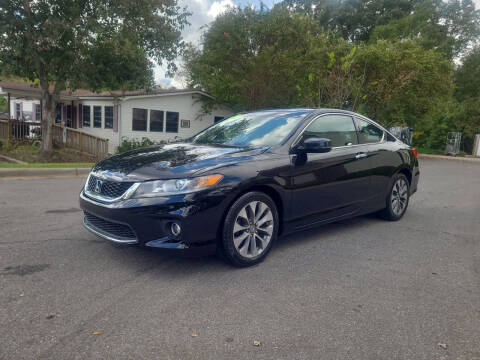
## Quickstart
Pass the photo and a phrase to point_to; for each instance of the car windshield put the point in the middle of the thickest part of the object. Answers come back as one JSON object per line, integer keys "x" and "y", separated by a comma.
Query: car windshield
{"x": 262, "y": 128}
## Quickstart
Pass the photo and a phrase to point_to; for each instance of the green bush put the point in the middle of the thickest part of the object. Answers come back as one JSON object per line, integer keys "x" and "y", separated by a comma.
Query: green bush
{"x": 132, "y": 144}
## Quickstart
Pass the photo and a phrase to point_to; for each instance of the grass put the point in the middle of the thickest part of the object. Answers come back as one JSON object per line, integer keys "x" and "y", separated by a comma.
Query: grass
{"x": 422, "y": 150}
{"x": 31, "y": 154}
{"x": 46, "y": 165}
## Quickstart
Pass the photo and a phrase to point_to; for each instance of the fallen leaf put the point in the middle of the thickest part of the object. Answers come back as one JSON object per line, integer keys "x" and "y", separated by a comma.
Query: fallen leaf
{"x": 193, "y": 335}
{"x": 98, "y": 332}
{"x": 256, "y": 343}
{"x": 443, "y": 346}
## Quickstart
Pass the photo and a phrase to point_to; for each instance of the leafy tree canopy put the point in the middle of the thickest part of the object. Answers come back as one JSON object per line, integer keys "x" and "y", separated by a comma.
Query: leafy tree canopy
{"x": 100, "y": 44}
{"x": 395, "y": 67}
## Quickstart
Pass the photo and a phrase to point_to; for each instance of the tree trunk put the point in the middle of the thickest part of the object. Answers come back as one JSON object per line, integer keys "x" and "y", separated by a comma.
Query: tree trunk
{"x": 48, "y": 112}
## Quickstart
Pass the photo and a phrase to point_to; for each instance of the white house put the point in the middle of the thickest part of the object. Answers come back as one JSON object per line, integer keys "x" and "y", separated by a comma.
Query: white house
{"x": 157, "y": 115}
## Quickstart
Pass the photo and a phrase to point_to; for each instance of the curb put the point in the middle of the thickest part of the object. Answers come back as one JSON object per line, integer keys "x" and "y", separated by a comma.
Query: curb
{"x": 454, "y": 158}
{"x": 43, "y": 172}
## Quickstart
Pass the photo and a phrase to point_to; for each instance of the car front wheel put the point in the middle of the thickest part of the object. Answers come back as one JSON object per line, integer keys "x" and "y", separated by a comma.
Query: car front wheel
{"x": 250, "y": 229}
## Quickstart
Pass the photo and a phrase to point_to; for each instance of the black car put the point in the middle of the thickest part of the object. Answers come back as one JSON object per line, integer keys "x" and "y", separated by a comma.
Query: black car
{"x": 237, "y": 185}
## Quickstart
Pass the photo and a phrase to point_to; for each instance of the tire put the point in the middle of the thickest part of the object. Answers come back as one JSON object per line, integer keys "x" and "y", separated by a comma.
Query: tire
{"x": 249, "y": 230}
{"x": 397, "y": 199}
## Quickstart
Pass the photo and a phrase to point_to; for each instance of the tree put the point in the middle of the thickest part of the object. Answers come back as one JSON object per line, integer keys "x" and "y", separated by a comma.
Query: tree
{"x": 404, "y": 82}
{"x": 449, "y": 27}
{"x": 353, "y": 19}
{"x": 100, "y": 44}
{"x": 3, "y": 104}
{"x": 468, "y": 76}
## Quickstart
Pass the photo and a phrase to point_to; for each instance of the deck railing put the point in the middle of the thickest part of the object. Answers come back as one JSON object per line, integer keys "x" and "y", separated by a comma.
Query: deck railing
{"x": 4, "y": 129}
{"x": 78, "y": 140}
{"x": 13, "y": 130}
{"x": 19, "y": 130}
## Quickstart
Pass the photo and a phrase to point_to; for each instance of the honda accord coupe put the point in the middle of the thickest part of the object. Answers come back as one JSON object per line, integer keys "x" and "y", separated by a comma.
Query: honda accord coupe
{"x": 239, "y": 184}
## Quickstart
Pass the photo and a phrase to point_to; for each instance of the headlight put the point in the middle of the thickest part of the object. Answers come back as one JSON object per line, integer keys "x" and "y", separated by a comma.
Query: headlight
{"x": 175, "y": 186}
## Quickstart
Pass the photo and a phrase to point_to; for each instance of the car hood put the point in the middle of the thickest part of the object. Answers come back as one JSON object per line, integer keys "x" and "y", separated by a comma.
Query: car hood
{"x": 171, "y": 161}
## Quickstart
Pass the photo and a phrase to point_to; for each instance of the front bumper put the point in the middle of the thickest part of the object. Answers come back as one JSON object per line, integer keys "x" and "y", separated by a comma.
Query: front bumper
{"x": 146, "y": 221}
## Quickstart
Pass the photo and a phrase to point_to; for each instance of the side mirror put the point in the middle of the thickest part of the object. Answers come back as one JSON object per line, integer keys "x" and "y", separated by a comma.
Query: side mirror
{"x": 315, "y": 145}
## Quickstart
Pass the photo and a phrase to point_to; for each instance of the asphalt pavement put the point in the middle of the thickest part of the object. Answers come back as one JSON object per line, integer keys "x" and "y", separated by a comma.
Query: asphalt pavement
{"x": 358, "y": 289}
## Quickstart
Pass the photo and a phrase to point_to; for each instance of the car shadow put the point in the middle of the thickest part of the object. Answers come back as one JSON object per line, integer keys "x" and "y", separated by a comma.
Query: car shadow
{"x": 160, "y": 263}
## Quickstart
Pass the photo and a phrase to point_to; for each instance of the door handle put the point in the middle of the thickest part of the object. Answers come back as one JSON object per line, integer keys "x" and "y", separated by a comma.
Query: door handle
{"x": 360, "y": 155}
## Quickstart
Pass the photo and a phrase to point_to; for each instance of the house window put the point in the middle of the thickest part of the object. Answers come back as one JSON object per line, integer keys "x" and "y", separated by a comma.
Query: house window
{"x": 17, "y": 111}
{"x": 69, "y": 115}
{"x": 172, "y": 122}
{"x": 58, "y": 114}
{"x": 86, "y": 115}
{"x": 97, "y": 116}
{"x": 108, "y": 117}
{"x": 218, "y": 119}
{"x": 139, "y": 120}
{"x": 156, "y": 120}
{"x": 185, "y": 124}
{"x": 37, "y": 112}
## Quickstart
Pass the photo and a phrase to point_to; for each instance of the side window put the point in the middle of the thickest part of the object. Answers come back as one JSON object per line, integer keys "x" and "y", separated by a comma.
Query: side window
{"x": 340, "y": 129}
{"x": 97, "y": 116}
{"x": 172, "y": 122}
{"x": 156, "y": 120}
{"x": 58, "y": 114}
{"x": 86, "y": 115}
{"x": 108, "y": 117}
{"x": 37, "y": 112}
{"x": 139, "y": 120}
{"x": 368, "y": 133}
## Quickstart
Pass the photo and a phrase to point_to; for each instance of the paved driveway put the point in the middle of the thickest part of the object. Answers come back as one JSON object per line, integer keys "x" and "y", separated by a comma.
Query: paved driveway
{"x": 358, "y": 289}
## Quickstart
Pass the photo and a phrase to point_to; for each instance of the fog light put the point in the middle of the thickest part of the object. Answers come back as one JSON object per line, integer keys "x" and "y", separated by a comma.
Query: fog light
{"x": 175, "y": 229}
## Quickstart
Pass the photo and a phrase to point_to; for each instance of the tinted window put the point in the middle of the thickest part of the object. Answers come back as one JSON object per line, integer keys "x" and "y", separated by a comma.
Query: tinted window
{"x": 340, "y": 129}
{"x": 172, "y": 122}
{"x": 218, "y": 119}
{"x": 368, "y": 133}
{"x": 139, "y": 120}
{"x": 97, "y": 116}
{"x": 263, "y": 128}
{"x": 156, "y": 120}
{"x": 86, "y": 115}
{"x": 108, "y": 117}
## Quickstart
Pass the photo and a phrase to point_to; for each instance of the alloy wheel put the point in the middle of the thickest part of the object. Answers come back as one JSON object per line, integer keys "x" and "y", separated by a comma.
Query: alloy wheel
{"x": 253, "y": 229}
{"x": 399, "y": 197}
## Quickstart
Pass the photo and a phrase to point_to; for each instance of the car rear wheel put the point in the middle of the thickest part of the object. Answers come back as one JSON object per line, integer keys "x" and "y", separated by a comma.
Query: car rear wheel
{"x": 250, "y": 229}
{"x": 397, "y": 199}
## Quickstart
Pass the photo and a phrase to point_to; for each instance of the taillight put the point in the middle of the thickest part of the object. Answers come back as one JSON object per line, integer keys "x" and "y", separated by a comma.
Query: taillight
{"x": 415, "y": 153}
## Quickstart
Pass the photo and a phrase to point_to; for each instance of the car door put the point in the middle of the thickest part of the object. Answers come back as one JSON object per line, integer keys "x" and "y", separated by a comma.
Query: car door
{"x": 332, "y": 184}
{"x": 381, "y": 157}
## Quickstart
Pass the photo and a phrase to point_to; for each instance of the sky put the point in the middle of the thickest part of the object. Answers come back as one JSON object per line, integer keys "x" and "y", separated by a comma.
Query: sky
{"x": 203, "y": 12}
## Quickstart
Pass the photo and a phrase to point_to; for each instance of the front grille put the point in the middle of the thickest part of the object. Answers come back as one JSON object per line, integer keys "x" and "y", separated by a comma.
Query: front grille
{"x": 107, "y": 188}
{"x": 120, "y": 232}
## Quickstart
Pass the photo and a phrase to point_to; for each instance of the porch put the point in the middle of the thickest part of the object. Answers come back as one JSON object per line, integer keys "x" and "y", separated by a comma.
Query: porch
{"x": 24, "y": 116}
